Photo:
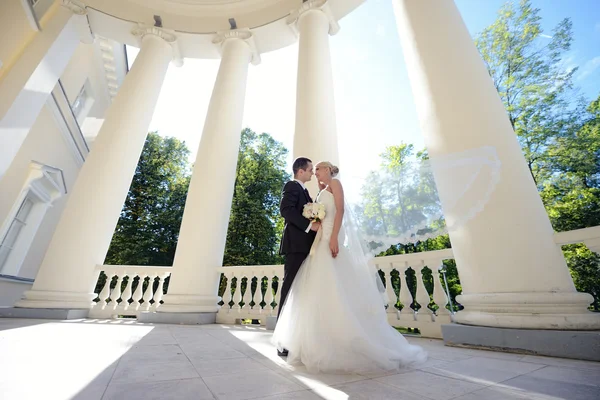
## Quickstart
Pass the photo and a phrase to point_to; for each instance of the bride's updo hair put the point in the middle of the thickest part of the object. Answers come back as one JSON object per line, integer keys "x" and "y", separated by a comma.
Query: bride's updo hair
{"x": 333, "y": 168}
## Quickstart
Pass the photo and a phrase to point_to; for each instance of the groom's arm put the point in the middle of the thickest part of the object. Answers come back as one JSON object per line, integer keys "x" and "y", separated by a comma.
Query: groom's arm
{"x": 288, "y": 210}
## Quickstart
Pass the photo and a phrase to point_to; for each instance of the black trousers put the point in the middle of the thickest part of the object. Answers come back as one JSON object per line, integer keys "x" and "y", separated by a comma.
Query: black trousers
{"x": 293, "y": 261}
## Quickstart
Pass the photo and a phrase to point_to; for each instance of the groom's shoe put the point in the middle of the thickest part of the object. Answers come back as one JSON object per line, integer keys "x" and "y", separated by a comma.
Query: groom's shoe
{"x": 283, "y": 353}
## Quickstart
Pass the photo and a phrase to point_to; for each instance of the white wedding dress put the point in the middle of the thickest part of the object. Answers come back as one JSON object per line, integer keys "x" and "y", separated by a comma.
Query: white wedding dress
{"x": 334, "y": 319}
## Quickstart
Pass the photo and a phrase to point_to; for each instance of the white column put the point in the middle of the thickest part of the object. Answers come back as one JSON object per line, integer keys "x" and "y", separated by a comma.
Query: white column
{"x": 512, "y": 273}
{"x": 28, "y": 81}
{"x": 315, "y": 135}
{"x": 66, "y": 276}
{"x": 199, "y": 255}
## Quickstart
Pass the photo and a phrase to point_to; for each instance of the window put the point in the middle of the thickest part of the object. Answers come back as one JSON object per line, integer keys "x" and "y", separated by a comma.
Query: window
{"x": 35, "y": 10}
{"x": 43, "y": 186}
{"x": 15, "y": 228}
{"x": 83, "y": 103}
{"x": 79, "y": 101}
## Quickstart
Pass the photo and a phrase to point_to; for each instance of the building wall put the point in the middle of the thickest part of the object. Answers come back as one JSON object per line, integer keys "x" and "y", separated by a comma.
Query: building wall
{"x": 16, "y": 31}
{"x": 47, "y": 144}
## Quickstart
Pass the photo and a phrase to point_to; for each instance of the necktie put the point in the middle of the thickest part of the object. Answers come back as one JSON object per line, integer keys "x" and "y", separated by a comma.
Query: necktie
{"x": 307, "y": 194}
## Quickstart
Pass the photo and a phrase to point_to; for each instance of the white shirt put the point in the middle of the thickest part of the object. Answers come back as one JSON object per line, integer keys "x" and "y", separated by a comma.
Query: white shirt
{"x": 304, "y": 188}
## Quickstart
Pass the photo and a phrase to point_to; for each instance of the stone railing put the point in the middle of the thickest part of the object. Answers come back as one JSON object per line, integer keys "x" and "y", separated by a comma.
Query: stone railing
{"x": 257, "y": 304}
{"x": 128, "y": 297}
{"x": 425, "y": 319}
{"x": 588, "y": 236}
{"x": 240, "y": 305}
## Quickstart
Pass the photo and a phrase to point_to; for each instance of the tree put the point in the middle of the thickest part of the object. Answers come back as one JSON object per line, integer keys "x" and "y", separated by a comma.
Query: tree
{"x": 559, "y": 137}
{"x": 255, "y": 225}
{"x": 398, "y": 197}
{"x": 148, "y": 228}
{"x": 528, "y": 72}
{"x": 572, "y": 196}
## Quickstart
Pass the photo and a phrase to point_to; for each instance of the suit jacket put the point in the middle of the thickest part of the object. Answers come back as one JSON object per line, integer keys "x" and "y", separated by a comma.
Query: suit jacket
{"x": 295, "y": 239}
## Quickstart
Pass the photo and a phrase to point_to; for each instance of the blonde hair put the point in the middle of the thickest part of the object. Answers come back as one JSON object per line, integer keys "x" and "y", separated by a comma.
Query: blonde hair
{"x": 333, "y": 168}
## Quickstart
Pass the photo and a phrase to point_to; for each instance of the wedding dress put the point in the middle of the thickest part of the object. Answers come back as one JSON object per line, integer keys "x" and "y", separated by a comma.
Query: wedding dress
{"x": 334, "y": 319}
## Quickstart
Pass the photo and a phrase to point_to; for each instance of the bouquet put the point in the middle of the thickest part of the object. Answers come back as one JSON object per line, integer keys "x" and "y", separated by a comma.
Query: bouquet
{"x": 314, "y": 212}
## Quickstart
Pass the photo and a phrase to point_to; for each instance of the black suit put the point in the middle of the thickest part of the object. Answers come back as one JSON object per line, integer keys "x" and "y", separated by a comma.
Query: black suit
{"x": 295, "y": 242}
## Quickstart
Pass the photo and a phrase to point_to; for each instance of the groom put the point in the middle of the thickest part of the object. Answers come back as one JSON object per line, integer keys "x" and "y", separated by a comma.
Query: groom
{"x": 299, "y": 233}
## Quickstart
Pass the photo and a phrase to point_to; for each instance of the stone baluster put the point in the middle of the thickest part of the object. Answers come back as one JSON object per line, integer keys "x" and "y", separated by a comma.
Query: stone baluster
{"x": 126, "y": 295}
{"x": 160, "y": 291}
{"x": 149, "y": 293}
{"x": 405, "y": 296}
{"x": 237, "y": 295}
{"x": 269, "y": 295}
{"x": 422, "y": 295}
{"x": 278, "y": 294}
{"x": 391, "y": 293}
{"x": 252, "y": 308}
{"x": 115, "y": 295}
{"x": 439, "y": 294}
{"x": 105, "y": 292}
{"x": 229, "y": 292}
{"x": 139, "y": 291}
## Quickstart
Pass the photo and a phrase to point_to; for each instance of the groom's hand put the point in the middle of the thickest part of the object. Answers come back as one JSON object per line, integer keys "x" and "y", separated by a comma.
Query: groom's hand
{"x": 315, "y": 226}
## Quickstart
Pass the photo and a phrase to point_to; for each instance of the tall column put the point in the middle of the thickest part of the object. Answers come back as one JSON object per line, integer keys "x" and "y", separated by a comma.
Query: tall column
{"x": 315, "y": 134}
{"x": 66, "y": 277}
{"x": 199, "y": 256}
{"x": 512, "y": 273}
{"x": 29, "y": 79}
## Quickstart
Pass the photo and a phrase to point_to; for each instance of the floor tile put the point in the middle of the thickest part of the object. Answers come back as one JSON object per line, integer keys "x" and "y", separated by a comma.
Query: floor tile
{"x": 208, "y": 368}
{"x": 140, "y": 372}
{"x": 185, "y": 389}
{"x": 250, "y": 385}
{"x": 553, "y": 389}
{"x": 370, "y": 389}
{"x": 484, "y": 371}
{"x": 429, "y": 385}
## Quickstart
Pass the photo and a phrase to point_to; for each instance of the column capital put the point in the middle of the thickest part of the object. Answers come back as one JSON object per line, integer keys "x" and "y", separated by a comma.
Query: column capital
{"x": 167, "y": 35}
{"x": 320, "y": 5}
{"x": 82, "y": 23}
{"x": 242, "y": 34}
{"x": 76, "y": 7}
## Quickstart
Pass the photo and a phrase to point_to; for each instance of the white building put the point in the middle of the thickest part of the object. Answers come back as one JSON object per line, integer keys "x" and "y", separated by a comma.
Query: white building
{"x": 57, "y": 82}
{"x": 73, "y": 122}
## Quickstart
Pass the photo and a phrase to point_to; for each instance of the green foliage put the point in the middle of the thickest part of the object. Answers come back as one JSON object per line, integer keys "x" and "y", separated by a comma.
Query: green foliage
{"x": 585, "y": 270}
{"x": 148, "y": 228}
{"x": 255, "y": 225}
{"x": 395, "y": 196}
{"x": 528, "y": 72}
{"x": 559, "y": 135}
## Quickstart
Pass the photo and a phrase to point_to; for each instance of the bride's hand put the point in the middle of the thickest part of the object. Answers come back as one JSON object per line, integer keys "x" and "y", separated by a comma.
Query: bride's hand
{"x": 334, "y": 247}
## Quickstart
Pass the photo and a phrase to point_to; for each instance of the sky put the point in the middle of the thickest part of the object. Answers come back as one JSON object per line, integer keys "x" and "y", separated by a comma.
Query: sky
{"x": 374, "y": 104}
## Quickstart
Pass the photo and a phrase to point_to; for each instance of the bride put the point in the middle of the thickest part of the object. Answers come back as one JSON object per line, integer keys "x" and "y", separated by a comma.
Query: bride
{"x": 333, "y": 319}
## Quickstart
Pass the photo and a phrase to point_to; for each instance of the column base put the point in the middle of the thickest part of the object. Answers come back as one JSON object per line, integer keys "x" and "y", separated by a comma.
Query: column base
{"x": 43, "y": 313}
{"x": 547, "y": 311}
{"x": 554, "y": 343}
{"x": 184, "y": 303}
{"x": 178, "y": 318}
{"x": 271, "y": 322}
{"x": 56, "y": 300}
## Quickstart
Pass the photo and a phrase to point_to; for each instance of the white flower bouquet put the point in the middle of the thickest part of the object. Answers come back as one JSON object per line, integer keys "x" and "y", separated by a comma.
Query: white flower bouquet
{"x": 314, "y": 211}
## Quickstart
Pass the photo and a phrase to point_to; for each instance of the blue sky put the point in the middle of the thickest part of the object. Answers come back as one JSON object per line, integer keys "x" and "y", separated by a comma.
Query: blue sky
{"x": 374, "y": 102}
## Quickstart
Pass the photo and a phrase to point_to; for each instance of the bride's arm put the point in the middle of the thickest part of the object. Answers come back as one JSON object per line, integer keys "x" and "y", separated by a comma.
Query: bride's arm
{"x": 338, "y": 197}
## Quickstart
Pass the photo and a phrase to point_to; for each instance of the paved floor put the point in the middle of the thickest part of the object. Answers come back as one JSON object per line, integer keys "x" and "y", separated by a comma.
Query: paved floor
{"x": 93, "y": 359}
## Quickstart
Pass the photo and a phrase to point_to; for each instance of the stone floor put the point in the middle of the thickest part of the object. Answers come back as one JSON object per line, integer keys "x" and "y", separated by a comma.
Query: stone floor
{"x": 92, "y": 359}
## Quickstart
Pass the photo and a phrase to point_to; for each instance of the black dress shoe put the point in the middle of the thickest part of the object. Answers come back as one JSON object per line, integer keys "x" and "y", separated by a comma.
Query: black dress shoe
{"x": 283, "y": 353}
